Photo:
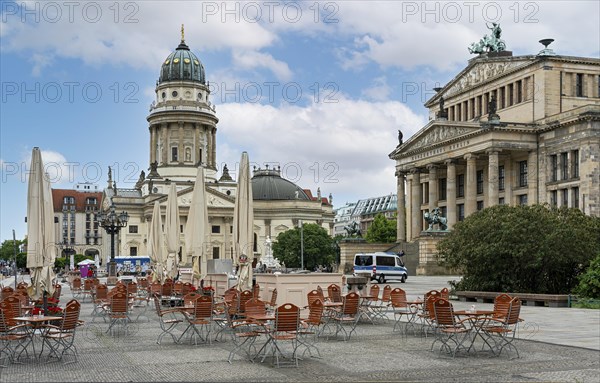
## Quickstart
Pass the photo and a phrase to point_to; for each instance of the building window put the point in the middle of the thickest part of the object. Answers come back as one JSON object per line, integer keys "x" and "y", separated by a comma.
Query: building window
{"x": 444, "y": 211}
{"x": 133, "y": 229}
{"x": 460, "y": 183}
{"x": 501, "y": 177}
{"x": 442, "y": 189}
{"x": 501, "y": 100}
{"x": 480, "y": 182}
{"x": 174, "y": 157}
{"x": 461, "y": 212}
{"x": 579, "y": 85}
{"x": 91, "y": 201}
{"x": 479, "y": 205}
{"x": 216, "y": 252}
{"x": 510, "y": 90}
{"x": 523, "y": 199}
{"x": 425, "y": 189}
{"x": 501, "y": 201}
{"x": 565, "y": 197}
{"x": 564, "y": 166}
{"x": 69, "y": 200}
{"x": 553, "y": 198}
{"x": 216, "y": 229}
{"x": 575, "y": 164}
{"x": 575, "y": 191}
{"x": 133, "y": 251}
{"x": 519, "y": 85}
{"x": 553, "y": 167}
{"x": 522, "y": 173}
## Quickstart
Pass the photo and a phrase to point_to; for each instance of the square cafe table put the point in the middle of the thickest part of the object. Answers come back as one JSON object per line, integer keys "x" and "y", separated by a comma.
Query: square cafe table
{"x": 36, "y": 321}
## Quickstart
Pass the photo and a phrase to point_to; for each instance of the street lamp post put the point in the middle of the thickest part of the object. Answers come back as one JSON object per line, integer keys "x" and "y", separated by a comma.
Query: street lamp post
{"x": 301, "y": 244}
{"x": 112, "y": 223}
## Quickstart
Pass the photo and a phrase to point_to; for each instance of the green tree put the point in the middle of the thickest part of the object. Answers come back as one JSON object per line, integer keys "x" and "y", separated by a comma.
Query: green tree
{"x": 589, "y": 281}
{"x": 532, "y": 249}
{"x": 382, "y": 230}
{"x": 7, "y": 250}
{"x": 319, "y": 247}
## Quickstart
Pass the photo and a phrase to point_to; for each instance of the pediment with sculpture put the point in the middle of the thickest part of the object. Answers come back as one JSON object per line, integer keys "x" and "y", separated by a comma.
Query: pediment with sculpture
{"x": 436, "y": 134}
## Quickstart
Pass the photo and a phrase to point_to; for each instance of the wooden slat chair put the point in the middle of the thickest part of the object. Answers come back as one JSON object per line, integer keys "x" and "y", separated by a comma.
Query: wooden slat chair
{"x": 256, "y": 291}
{"x": 6, "y": 292}
{"x": 88, "y": 286}
{"x": 334, "y": 292}
{"x": 118, "y": 312}
{"x": 348, "y": 315}
{"x": 167, "y": 318}
{"x": 226, "y": 309}
{"x": 503, "y": 330}
{"x": 312, "y": 296}
{"x": 189, "y": 298}
{"x": 57, "y": 291}
{"x": 502, "y": 305}
{"x": 312, "y": 328}
{"x": 401, "y": 309}
{"x": 100, "y": 299}
{"x": 450, "y": 332}
{"x": 13, "y": 339}
{"x": 15, "y": 304}
{"x": 285, "y": 329}
{"x": 167, "y": 289}
{"x": 178, "y": 288}
{"x": 255, "y": 306}
{"x": 242, "y": 333}
{"x": 61, "y": 338}
{"x": 187, "y": 287}
{"x": 368, "y": 302}
{"x": 156, "y": 288}
{"x": 426, "y": 315}
{"x": 143, "y": 286}
{"x": 321, "y": 294}
{"x": 445, "y": 293}
{"x": 245, "y": 296}
{"x": 272, "y": 304}
{"x": 76, "y": 287}
{"x": 200, "y": 319}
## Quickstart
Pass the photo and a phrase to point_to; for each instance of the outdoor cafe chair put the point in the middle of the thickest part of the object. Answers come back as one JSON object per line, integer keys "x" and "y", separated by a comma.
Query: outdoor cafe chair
{"x": 272, "y": 304}
{"x": 312, "y": 327}
{"x": 118, "y": 311}
{"x": 15, "y": 304}
{"x": 14, "y": 339}
{"x": 427, "y": 315}
{"x": 348, "y": 315}
{"x": 167, "y": 318}
{"x": 88, "y": 286}
{"x": 256, "y": 291}
{"x": 6, "y": 292}
{"x": 243, "y": 334}
{"x": 61, "y": 338}
{"x": 451, "y": 332}
{"x": 167, "y": 289}
{"x": 245, "y": 296}
{"x": 445, "y": 293}
{"x": 57, "y": 291}
{"x": 401, "y": 309}
{"x": 503, "y": 330}
{"x": 334, "y": 293}
{"x": 285, "y": 329}
{"x": 186, "y": 288}
{"x": 99, "y": 299}
{"x": 190, "y": 298}
{"x": 76, "y": 287}
{"x": 155, "y": 288}
{"x": 178, "y": 288}
{"x": 199, "y": 319}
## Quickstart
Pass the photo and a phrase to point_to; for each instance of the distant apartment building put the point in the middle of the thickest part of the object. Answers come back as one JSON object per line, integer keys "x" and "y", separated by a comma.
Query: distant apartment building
{"x": 363, "y": 212}
{"x": 77, "y": 227}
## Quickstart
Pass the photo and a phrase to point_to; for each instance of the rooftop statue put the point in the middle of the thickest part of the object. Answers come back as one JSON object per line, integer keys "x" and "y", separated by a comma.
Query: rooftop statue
{"x": 491, "y": 43}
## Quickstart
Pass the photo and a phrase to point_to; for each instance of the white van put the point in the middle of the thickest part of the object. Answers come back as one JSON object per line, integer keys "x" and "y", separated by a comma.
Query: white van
{"x": 381, "y": 266}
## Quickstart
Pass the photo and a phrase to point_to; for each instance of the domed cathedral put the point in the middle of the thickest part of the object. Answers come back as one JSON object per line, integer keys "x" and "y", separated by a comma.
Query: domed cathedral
{"x": 182, "y": 120}
{"x": 183, "y": 129}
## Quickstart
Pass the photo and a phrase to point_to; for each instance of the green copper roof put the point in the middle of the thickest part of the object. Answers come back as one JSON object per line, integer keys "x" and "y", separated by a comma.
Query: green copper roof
{"x": 182, "y": 65}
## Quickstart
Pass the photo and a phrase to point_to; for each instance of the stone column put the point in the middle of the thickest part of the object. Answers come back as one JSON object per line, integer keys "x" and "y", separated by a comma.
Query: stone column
{"x": 415, "y": 219}
{"x": 165, "y": 144}
{"x": 213, "y": 149}
{"x": 180, "y": 148}
{"x": 532, "y": 178}
{"x": 508, "y": 182}
{"x": 433, "y": 187}
{"x": 451, "y": 193}
{"x": 492, "y": 197}
{"x": 153, "y": 143}
{"x": 471, "y": 185}
{"x": 401, "y": 218}
{"x": 227, "y": 241}
{"x": 196, "y": 156}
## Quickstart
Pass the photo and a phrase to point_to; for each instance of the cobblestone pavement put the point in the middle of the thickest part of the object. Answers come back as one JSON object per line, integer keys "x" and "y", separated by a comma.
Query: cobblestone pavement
{"x": 374, "y": 353}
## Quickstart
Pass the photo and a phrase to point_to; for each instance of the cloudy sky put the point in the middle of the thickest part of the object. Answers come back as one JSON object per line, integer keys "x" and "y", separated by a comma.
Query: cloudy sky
{"x": 318, "y": 88}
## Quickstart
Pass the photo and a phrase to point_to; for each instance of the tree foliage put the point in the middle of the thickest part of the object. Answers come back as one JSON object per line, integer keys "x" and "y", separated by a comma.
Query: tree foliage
{"x": 532, "y": 249}
{"x": 319, "y": 247}
{"x": 382, "y": 230}
{"x": 589, "y": 282}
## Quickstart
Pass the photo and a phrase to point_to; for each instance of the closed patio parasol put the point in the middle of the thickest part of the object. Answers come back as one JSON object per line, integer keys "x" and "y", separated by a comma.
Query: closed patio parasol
{"x": 155, "y": 244}
{"x": 243, "y": 226}
{"x": 41, "y": 247}
{"x": 195, "y": 229}
{"x": 172, "y": 234}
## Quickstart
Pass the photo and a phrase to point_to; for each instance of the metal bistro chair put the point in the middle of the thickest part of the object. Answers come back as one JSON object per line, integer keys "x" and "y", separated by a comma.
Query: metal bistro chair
{"x": 61, "y": 338}
{"x": 167, "y": 319}
{"x": 200, "y": 319}
{"x": 12, "y": 338}
{"x": 285, "y": 329}
{"x": 447, "y": 329}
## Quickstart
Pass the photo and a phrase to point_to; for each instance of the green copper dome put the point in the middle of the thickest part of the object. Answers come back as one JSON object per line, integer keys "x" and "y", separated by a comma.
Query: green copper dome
{"x": 182, "y": 65}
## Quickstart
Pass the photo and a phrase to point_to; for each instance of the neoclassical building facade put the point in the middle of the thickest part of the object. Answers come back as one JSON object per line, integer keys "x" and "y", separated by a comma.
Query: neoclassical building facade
{"x": 506, "y": 130}
{"x": 182, "y": 126}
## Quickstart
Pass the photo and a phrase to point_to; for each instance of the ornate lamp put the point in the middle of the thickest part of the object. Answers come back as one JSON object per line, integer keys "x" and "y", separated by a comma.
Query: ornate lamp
{"x": 112, "y": 222}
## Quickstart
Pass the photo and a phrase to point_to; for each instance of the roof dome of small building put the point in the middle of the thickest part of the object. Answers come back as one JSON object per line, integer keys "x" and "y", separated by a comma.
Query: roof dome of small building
{"x": 182, "y": 65}
{"x": 267, "y": 184}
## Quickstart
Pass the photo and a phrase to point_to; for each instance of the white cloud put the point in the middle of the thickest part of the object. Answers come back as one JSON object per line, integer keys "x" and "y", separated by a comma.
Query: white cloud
{"x": 380, "y": 91}
{"x": 341, "y": 147}
{"x": 253, "y": 60}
